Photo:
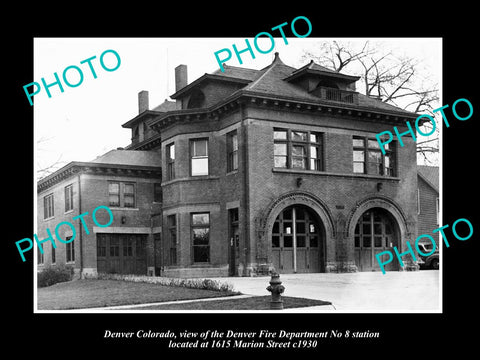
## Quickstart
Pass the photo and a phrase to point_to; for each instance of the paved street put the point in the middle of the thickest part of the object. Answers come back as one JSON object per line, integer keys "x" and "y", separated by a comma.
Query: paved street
{"x": 417, "y": 291}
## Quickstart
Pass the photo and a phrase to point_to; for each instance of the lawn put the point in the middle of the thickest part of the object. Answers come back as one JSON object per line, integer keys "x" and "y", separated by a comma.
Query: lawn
{"x": 90, "y": 293}
{"x": 79, "y": 294}
{"x": 251, "y": 303}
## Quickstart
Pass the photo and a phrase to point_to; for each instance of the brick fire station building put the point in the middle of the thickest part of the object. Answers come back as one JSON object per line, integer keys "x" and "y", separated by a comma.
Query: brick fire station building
{"x": 247, "y": 171}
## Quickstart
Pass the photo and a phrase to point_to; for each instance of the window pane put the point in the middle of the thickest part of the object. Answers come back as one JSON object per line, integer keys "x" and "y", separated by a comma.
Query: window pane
{"x": 358, "y": 142}
{"x": 114, "y": 200}
{"x": 114, "y": 188}
{"x": 280, "y": 149}
{"x": 276, "y": 228}
{"x": 201, "y": 253}
{"x": 358, "y": 168}
{"x": 313, "y": 241}
{"x": 280, "y": 135}
{"x": 367, "y": 241}
{"x": 129, "y": 201}
{"x": 234, "y": 142}
{"x": 301, "y": 228}
{"x": 314, "y": 138}
{"x": 373, "y": 144}
{"x": 314, "y": 164}
{"x": 280, "y": 161}
{"x": 358, "y": 155}
{"x": 199, "y": 167}
{"x": 300, "y": 241}
{"x": 200, "y": 236}
{"x": 275, "y": 241}
{"x": 298, "y": 150}
{"x": 298, "y": 163}
{"x": 313, "y": 152}
{"x": 200, "y": 219}
{"x": 200, "y": 148}
{"x": 387, "y": 161}
{"x": 388, "y": 228}
{"x": 287, "y": 241}
{"x": 171, "y": 152}
{"x": 357, "y": 241}
{"x": 287, "y": 214}
{"x": 375, "y": 157}
{"x": 378, "y": 241}
{"x": 377, "y": 229}
{"x": 366, "y": 229}
{"x": 299, "y": 136}
{"x": 129, "y": 188}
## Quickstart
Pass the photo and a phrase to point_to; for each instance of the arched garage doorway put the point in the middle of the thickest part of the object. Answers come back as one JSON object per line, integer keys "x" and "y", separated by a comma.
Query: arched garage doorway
{"x": 298, "y": 241}
{"x": 376, "y": 231}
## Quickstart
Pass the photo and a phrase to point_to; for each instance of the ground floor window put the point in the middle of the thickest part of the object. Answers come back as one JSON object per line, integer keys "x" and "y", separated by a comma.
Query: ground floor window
{"x": 70, "y": 250}
{"x": 172, "y": 239}
{"x": 200, "y": 228}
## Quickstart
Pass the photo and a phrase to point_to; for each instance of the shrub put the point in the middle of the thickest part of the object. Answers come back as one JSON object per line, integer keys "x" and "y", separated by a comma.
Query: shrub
{"x": 206, "y": 284}
{"x": 52, "y": 275}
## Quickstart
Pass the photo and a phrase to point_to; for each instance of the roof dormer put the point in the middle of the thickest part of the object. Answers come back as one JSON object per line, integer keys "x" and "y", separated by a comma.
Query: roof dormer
{"x": 325, "y": 83}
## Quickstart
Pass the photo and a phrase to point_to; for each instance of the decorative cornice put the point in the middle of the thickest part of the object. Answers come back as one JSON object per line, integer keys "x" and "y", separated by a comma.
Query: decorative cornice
{"x": 74, "y": 168}
{"x": 328, "y": 107}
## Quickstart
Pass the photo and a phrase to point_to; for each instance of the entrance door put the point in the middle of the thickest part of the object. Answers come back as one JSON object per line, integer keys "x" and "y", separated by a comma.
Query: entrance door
{"x": 374, "y": 233}
{"x": 234, "y": 243}
{"x": 296, "y": 241}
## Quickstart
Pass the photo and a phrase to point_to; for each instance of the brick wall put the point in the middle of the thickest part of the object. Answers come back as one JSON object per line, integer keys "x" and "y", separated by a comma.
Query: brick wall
{"x": 338, "y": 187}
{"x": 427, "y": 217}
{"x": 94, "y": 193}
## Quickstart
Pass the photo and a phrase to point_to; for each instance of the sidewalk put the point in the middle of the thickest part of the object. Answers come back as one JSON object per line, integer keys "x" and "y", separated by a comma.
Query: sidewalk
{"x": 403, "y": 291}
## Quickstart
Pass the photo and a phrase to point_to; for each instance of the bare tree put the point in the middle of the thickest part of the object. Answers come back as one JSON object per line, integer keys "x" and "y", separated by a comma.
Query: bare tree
{"x": 394, "y": 79}
{"x": 45, "y": 170}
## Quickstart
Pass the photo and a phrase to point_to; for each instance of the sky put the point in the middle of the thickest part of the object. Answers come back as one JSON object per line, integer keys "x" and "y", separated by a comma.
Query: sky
{"x": 84, "y": 122}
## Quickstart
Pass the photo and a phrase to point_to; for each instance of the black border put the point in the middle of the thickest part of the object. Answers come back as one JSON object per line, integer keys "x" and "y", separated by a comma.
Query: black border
{"x": 399, "y": 332}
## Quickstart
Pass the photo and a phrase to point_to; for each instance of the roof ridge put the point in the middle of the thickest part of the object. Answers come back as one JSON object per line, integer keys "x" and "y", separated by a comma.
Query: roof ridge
{"x": 276, "y": 61}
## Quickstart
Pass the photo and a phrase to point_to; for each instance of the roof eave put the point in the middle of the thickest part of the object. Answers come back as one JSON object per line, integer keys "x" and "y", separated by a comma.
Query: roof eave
{"x": 295, "y": 75}
{"x": 141, "y": 116}
{"x": 207, "y": 77}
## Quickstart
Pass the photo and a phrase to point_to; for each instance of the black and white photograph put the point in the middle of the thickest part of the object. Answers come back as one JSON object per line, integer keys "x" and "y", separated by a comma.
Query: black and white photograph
{"x": 277, "y": 191}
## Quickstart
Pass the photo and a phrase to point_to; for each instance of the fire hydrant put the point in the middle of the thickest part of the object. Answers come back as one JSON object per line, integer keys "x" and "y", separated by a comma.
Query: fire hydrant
{"x": 276, "y": 288}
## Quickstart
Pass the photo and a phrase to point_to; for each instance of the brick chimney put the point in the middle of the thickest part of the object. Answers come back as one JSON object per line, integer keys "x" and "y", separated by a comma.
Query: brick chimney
{"x": 181, "y": 79}
{"x": 142, "y": 101}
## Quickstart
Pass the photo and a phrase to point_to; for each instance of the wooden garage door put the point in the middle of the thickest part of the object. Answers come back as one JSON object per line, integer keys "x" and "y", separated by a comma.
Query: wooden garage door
{"x": 122, "y": 253}
{"x": 296, "y": 241}
{"x": 374, "y": 233}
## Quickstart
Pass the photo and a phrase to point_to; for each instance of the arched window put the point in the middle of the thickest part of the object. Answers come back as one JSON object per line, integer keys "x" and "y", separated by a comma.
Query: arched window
{"x": 196, "y": 99}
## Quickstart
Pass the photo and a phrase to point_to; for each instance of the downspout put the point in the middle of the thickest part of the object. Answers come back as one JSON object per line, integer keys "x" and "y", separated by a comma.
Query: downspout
{"x": 152, "y": 215}
{"x": 81, "y": 230}
{"x": 246, "y": 207}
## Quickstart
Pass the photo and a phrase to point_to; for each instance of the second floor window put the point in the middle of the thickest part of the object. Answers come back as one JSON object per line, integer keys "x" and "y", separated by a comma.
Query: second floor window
{"x": 48, "y": 206}
{"x": 121, "y": 194}
{"x": 232, "y": 151}
{"x": 170, "y": 152}
{"x": 297, "y": 149}
{"x": 199, "y": 157}
{"x": 368, "y": 158}
{"x": 68, "y": 197}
